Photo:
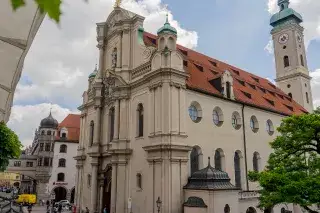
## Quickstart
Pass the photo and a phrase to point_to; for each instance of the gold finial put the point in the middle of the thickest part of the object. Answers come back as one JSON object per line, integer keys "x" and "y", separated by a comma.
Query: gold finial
{"x": 117, "y": 3}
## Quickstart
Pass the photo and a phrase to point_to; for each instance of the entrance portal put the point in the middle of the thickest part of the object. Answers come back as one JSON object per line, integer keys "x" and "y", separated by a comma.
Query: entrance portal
{"x": 61, "y": 193}
{"x": 107, "y": 189}
{"x": 72, "y": 195}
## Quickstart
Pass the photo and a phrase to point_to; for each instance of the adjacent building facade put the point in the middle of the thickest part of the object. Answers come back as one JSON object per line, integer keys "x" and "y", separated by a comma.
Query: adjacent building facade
{"x": 48, "y": 169}
{"x": 17, "y": 32}
{"x": 167, "y": 129}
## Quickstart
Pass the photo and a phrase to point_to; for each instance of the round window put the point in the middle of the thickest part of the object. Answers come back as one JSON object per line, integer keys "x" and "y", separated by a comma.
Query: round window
{"x": 217, "y": 116}
{"x": 195, "y": 112}
{"x": 236, "y": 120}
{"x": 254, "y": 124}
{"x": 269, "y": 127}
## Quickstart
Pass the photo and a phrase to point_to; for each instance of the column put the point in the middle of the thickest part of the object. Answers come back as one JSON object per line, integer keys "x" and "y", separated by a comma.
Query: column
{"x": 79, "y": 186}
{"x": 101, "y": 184}
{"x": 96, "y": 138}
{"x": 114, "y": 188}
{"x": 94, "y": 186}
{"x": 121, "y": 188}
{"x": 101, "y": 56}
{"x": 116, "y": 120}
{"x": 123, "y": 119}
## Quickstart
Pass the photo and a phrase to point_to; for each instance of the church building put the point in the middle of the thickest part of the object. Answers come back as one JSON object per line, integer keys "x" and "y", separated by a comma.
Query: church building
{"x": 167, "y": 129}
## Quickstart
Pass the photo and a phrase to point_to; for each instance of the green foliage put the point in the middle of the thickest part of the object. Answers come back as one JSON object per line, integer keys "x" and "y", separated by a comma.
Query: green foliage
{"x": 293, "y": 171}
{"x": 317, "y": 110}
{"x": 10, "y": 146}
{"x": 52, "y": 7}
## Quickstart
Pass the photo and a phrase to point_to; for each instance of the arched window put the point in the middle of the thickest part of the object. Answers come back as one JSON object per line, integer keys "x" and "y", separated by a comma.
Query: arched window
{"x": 64, "y": 135}
{"x": 290, "y": 94}
{"x": 282, "y": 7}
{"x": 91, "y": 132}
{"x": 251, "y": 210}
{"x": 60, "y": 177}
{"x": 254, "y": 124}
{"x": 62, "y": 162}
{"x": 218, "y": 159}
{"x": 139, "y": 181}
{"x": 140, "y": 120}
{"x": 195, "y": 159}
{"x": 286, "y": 61}
{"x": 226, "y": 208}
{"x": 301, "y": 60}
{"x": 307, "y": 97}
{"x": 49, "y": 132}
{"x": 42, "y": 132}
{"x": 111, "y": 122}
{"x": 228, "y": 88}
{"x": 63, "y": 148}
{"x": 237, "y": 170}
{"x": 255, "y": 161}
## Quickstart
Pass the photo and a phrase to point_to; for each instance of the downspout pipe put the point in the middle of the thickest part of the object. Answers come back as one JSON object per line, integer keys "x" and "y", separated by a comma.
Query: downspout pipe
{"x": 245, "y": 148}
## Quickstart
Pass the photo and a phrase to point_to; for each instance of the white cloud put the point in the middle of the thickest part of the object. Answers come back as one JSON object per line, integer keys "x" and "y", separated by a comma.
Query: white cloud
{"x": 63, "y": 56}
{"x": 269, "y": 47}
{"x": 315, "y": 85}
{"x": 24, "y": 120}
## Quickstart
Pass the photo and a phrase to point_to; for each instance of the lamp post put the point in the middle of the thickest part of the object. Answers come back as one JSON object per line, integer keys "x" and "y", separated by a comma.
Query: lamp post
{"x": 159, "y": 202}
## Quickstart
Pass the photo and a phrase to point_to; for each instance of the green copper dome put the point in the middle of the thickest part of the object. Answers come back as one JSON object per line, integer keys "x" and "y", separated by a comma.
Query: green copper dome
{"x": 284, "y": 14}
{"x": 167, "y": 28}
{"x": 94, "y": 73}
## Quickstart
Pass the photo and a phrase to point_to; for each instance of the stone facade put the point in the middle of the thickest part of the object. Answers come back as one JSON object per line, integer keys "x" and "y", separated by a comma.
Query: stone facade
{"x": 136, "y": 134}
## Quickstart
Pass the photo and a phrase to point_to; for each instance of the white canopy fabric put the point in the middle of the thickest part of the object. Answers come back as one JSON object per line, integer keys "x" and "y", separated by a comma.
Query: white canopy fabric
{"x": 17, "y": 31}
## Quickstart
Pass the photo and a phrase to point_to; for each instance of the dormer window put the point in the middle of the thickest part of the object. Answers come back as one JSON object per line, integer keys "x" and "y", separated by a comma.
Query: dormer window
{"x": 241, "y": 82}
{"x": 256, "y": 79}
{"x": 200, "y": 68}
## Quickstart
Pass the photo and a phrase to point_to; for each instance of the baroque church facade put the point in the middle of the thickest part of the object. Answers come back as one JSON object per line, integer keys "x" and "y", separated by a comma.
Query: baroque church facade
{"x": 167, "y": 129}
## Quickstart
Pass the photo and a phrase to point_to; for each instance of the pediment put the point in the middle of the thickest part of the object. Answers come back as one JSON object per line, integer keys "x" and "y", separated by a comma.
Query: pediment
{"x": 120, "y": 14}
{"x": 112, "y": 79}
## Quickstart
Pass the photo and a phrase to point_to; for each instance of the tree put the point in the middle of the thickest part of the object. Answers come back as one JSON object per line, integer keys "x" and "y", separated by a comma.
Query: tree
{"x": 293, "y": 171}
{"x": 317, "y": 110}
{"x": 10, "y": 146}
{"x": 52, "y": 7}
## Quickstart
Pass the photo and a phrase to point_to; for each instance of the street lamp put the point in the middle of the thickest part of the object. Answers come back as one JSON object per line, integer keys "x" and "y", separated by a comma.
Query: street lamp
{"x": 159, "y": 202}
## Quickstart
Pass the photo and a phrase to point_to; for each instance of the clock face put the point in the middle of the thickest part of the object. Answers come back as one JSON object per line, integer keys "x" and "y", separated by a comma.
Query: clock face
{"x": 283, "y": 38}
{"x": 299, "y": 38}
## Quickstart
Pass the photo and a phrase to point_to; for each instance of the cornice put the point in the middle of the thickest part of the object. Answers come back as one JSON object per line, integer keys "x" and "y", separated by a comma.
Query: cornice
{"x": 167, "y": 146}
{"x": 292, "y": 76}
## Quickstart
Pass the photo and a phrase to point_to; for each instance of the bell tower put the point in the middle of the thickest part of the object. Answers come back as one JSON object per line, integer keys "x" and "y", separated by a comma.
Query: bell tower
{"x": 292, "y": 74}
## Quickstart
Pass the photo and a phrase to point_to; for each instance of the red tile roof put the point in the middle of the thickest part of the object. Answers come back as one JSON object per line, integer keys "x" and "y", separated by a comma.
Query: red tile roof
{"x": 202, "y": 69}
{"x": 72, "y": 123}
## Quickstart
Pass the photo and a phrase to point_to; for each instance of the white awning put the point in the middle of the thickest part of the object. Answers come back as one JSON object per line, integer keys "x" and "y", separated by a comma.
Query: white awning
{"x": 17, "y": 31}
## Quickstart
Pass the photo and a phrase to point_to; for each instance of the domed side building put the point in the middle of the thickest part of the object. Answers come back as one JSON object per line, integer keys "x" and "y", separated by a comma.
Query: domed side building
{"x": 48, "y": 169}
{"x": 155, "y": 110}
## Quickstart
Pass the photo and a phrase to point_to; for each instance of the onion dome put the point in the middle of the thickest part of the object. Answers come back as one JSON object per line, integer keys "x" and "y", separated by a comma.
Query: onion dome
{"x": 94, "y": 73}
{"x": 285, "y": 14}
{"x": 210, "y": 178}
{"x": 167, "y": 28}
{"x": 49, "y": 122}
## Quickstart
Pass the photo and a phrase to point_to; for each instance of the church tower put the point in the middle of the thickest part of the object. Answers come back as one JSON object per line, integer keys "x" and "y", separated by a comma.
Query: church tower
{"x": 290, "y": 55}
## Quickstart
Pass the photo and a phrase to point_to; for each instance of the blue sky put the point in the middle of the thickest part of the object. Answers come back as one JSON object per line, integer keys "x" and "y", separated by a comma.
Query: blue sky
{"x": 235, "y": 31}
{"x": 62, "y": 56}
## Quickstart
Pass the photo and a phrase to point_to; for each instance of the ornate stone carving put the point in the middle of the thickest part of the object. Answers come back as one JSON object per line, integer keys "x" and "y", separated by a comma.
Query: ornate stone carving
{"x": 177, "y": 85}
{"x": 155, "y": 85}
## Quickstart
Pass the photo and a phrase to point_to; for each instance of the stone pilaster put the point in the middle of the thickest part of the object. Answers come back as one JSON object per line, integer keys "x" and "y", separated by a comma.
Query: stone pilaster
{"x": 94, "y": 184}
{"x": 101, "y": 187}
{"x": 168, "y": 169}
